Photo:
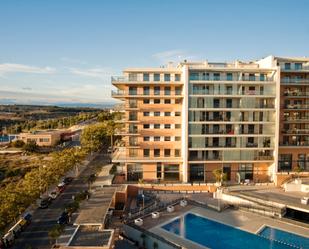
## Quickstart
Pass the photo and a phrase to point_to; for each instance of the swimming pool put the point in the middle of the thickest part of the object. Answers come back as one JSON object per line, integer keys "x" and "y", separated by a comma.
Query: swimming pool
{"x": 216, "y": 235}
{"x": 286, "y": 237}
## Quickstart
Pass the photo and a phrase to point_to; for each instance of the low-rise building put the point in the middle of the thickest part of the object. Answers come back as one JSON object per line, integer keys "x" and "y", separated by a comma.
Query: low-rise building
{"x": 42, "y": 138}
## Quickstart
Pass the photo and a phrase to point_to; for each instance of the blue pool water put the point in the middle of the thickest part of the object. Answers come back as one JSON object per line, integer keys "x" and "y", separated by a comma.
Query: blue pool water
{"x": 216, "y": 235}
{"x": 290, "y": 238}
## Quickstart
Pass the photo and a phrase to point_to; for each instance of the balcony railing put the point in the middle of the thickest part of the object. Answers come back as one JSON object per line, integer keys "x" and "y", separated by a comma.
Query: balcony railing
{"x": 297, "y": 106}
{"x": 236, "y": 93}
{"x": 294, "y": 81}
{"x": 296, "y": 94}
{"x": 296, "y": 131}
{"x": 216, "y": 78}
{"x": 140, "y": 78}
{"x": 298, "y": 119}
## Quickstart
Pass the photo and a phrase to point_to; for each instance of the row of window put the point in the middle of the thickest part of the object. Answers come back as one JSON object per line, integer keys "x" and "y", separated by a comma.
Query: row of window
{"x": 156, "y": 90}
{"x": 155, "y": 77}
{"x": 162, "y": 126}
{"x": 297, "y": 66}
{"x": 227, "y": 76}
{"x": 166, "y": 152}
{"x": 161, "y": 101}
{"x": 166, "y": 114}
{"x": 158, "y": 138}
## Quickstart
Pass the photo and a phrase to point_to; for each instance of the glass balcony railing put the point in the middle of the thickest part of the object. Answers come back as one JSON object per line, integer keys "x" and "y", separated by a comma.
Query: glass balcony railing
{"x": 296, "y": 119}
{"x": 294, "y": 81}
{"x": 296, "y": 106}
{"x": 296, "y": 131}
{"x": 221, "y": 78}
{"x": 296, "y": 94}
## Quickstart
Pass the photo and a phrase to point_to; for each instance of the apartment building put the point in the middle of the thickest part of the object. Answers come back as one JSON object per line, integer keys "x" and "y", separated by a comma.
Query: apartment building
{"x": 183, "y": 122}
{"x": 294, "y": 114}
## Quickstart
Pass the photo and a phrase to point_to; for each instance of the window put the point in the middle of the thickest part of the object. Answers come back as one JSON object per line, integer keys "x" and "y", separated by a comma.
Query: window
{"x": 132, "y": 116}
{"x": 146, "y": 152}
{"x": 156, "y": 101}
{"x": 146, "y": 126}
{"x": 146, "y": 101}
{"x": 167, "y": 77}
{"x": 167, "y": 101}
{"x": 132, "y": 103}
{"x": 177, "y": 90}
{"x": 156, "y": 126}
{"x": 205, "y": 76}
{"x": 216, "y": 103}
{"x": 285, "y": 162}
{"x": 133, "y": 141}
{"x": 229, "y": 76}
{"x": 177, "y": 114}
{"x": 132, "y": 90}
{"x": 177, "y": 152}
{"x": 132, "y": 152}
{"x": 167, "y": 90}
{"x": 156, "y": 114}
{"x": 133, "y": 128}
{"x": 177, "y": 138}
{"x": 156, "y": 152}
{"x": 177, "y": 126}
{"x": 194, "y": 76}
{"x": 216, "y": 76}
{"x": 298, "y": 66}
{"x": 287, "y": 66}
{"x": 156, "y": 90}
{"x": 132, "y": 77}
{"x": 146, "y": 90}
{"x": 167, "y": 114}
{"x": 146, "y": 114}
{"x": 167, "y": 126}
{"x": 262, "y": 77}
{"x": 167, "y": 138}
{"x": 146, "y": 139}
{"x": 229, "y": 103}
{"x": 159, "y": 170}
{"x": 177, "y": 77}
{"x": 146, "y": 77}
{"x": 156, "y": 138}
{"x": 167, "y": 152}
{"x": 177, "y": 101}
{"x": 156, "y": 77}
{"x": 251, "y": 77}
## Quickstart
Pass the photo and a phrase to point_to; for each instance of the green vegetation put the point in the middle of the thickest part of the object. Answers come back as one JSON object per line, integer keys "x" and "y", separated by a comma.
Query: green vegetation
{"x": 55, "y": 232}
{"x": 219, "y": 175}
{"x": 16, "y": 196}
{"x": 18, "y": 118}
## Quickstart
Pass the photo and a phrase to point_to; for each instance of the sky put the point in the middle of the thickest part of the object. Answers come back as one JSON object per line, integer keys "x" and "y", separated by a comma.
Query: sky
{"x": 56, "y": 51}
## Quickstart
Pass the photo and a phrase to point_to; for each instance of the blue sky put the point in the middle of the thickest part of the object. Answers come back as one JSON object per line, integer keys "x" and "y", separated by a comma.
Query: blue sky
{"x": 66, "y": 51}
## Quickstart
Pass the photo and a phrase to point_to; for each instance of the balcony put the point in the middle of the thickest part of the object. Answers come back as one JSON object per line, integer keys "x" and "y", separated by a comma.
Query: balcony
{"x": 141, "y": 79}
{"x": 296, "y": 119}
{"x": 229, "y": 79}
{"x": 293, "y": 144}
{"x": 296, "y": 106}
{"x": 296, "y": 131}
{"x": 289, "y": 81}
{"x": 294, "y": 94}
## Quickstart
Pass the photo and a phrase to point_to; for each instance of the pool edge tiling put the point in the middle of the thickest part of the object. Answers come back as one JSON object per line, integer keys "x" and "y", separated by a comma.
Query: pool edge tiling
{"x": 207, "y": 232}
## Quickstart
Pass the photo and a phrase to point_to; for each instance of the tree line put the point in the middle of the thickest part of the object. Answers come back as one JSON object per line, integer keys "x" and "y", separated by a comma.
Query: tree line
{"x": 17, "y": 196}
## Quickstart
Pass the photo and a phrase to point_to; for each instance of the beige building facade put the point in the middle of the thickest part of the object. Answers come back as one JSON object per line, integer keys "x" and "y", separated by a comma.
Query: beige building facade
{"x": 42, "y": 138}
{"x": 183, "y": 122}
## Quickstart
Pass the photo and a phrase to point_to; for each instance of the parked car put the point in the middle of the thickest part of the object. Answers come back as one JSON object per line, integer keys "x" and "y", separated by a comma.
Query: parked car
{"x": 54, "y": 195}
{"x": 45, "y": 202}
{"x": 67, "y": 180}
{"x": 63, "y": 219}
{"x": 61, "y": 187}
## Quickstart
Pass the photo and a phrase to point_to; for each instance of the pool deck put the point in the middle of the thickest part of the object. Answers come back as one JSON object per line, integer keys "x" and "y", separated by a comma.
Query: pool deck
{"x": 243, "y": 220}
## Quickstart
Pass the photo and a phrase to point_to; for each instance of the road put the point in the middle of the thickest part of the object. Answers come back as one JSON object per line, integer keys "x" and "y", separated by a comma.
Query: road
{"x": 35, "y": 235}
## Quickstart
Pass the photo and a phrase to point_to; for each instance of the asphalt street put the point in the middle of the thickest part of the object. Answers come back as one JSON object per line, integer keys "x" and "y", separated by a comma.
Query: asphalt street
{"x": 35, "y": 235}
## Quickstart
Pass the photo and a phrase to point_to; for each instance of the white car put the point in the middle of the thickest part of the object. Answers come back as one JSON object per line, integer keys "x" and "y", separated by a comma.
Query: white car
{"x": 54, "y": 195}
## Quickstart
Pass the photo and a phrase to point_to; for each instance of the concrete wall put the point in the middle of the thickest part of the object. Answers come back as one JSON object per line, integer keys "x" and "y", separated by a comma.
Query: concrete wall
{"x": 135, "y": 235}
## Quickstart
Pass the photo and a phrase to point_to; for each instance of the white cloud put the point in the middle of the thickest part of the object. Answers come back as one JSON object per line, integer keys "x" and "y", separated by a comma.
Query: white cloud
{"x": 101, "y": 73}
{"x": 7, "y": 68}
{"x": 172, "y": 56}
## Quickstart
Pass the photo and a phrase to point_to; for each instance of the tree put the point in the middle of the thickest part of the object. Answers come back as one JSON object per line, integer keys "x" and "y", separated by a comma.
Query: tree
{"x": 55, "y": 232}
{"x": 18, "y": 143}
{"x": 219, "y": 175}
{"x": 31, "y": 146}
